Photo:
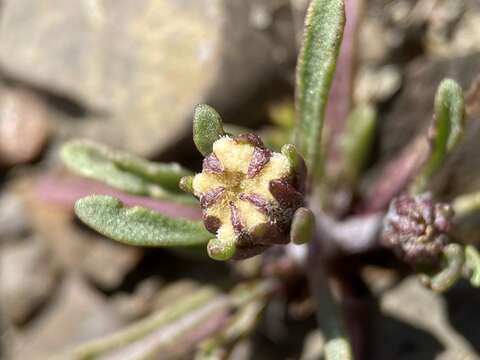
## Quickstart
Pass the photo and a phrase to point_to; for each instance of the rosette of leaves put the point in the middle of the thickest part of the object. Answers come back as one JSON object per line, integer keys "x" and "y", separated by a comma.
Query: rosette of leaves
{"x": 251, "y": 198}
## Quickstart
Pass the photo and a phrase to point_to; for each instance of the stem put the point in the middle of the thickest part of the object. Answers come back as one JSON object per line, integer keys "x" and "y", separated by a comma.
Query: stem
{"x": 337, "y": 345}
{"x": 397, "y": 175}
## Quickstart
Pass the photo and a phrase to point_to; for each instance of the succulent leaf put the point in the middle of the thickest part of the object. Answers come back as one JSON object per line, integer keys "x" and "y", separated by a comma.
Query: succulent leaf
{"x": 472, "y": 263}
{"x": 356, "y": 142}
{"x": 138, "y": 226}
{"x": 176, "y": 318}
{"x": 316, "y": 65}
{"x": 124, "y": 171}
{"x": 207, "y": 128}
{"x": 303, "y": 226}
{"x": 454, "y": 259}
{"x": 448, "y": 127}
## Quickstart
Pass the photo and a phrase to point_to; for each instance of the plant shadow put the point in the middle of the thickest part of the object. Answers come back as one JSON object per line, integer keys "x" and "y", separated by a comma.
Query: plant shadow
{"x": 398, "y": 340}
{"x": 462, "y": 311}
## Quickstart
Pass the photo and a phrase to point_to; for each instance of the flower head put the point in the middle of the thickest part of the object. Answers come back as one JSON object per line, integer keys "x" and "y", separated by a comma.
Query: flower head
{"x": 248, "y": 195}
{"x": 416, "y": 228}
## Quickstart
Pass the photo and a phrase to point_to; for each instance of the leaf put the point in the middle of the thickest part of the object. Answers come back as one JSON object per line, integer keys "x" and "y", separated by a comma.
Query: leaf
{"x": 316, "y": 65}
{"x": 356, "y": 143}
{"x": 138, "y": 226}
{"x": 466, "y": 204}
{"x": 160, "y": 330}
{"x": 453, "y": 259}
{"x": 303, "y": 226}
{"x": 472, "y": 264}
{"x": 125, "y": 171}
{"x": 207, "y": 128}
{"x": 449, "y": 122}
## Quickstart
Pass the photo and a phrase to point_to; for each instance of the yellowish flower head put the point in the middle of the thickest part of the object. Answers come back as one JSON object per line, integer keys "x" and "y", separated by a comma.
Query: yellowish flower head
{"x": 244, "y": 192}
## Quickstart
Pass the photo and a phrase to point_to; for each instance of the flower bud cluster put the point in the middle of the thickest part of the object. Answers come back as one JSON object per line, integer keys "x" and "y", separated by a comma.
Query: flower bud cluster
{"x": 416, "y": 228}
{"x": 248, "y": 195}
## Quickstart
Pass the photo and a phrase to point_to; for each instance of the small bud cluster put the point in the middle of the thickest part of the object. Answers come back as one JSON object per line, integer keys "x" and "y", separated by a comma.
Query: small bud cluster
{"x": 248, "y": 195}
{"x": 416, "y": 228}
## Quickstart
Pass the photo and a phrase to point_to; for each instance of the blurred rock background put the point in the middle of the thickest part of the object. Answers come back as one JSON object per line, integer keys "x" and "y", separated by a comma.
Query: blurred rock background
{"x": 128, "y": 73}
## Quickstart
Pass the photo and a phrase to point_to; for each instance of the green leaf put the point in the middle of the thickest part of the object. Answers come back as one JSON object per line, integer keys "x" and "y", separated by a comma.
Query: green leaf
{"x": 449, "y": 122}
{"x": 125, "y": 171}
{"x": 138, "y": 226}
{"x": 472, "y": 264}
{"x": 303, "y": 226}
{"x": 207, "y": 128}
{"x": 466, "y": 204}
{"x": 316, "y": 65}
{"x": 356, "y": 143}
{"x": 189, "y": 312}
{"x": 454, "y": 260}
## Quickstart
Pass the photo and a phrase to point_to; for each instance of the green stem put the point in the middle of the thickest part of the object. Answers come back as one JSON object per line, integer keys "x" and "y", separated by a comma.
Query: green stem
{"x": 337, "y": 344}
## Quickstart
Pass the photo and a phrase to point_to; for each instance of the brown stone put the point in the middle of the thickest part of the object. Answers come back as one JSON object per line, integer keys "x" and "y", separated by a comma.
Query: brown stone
{"x": 24, "y": 126}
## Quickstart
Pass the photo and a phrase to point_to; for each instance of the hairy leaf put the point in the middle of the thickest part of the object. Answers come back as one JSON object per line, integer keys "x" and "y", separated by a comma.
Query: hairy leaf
{"x": 138, "y": 226}
{"x": 158, "y": 331}
{"x": 124, "y": 171}
{"x": 207, "y": 128}
{"x": 454, "y": 259}
{"x": 303, "y": 226}
{"x": 448, "y": 128}
{"x": 472, "y": 264}
{"x": 316, "y": 66}
{"x": 357, "y": 142}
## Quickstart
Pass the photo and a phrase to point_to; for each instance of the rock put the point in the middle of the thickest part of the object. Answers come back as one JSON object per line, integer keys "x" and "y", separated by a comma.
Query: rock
{"x": 24, "y": 126}
{"x": 28, "y": 276}
{"x": 77, "y": 315}
{"x": 138, "y": 304}
{"x": 75, "y": 247}
{"x": 139, "y": 67}
{"x": 454, "y": 28}
{"x": 415, "y": 325}
{"x": 13, "y": 223}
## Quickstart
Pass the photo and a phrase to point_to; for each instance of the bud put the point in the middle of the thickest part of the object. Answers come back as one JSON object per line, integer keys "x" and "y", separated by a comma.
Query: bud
{"x": 248, "y": 195}
{"x": 416, "y": 228}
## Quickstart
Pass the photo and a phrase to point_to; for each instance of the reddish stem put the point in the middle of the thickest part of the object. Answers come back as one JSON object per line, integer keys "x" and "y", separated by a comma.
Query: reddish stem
{"x": 64, "y": 191}
{"x": 397, "y": 175}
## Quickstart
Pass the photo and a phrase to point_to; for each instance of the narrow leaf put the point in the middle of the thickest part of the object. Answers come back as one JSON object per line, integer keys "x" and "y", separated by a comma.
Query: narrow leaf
{"x": 472, "y": 263}
{"x": 356, "y": 143}
{"x": 466, "y": 204}
{"x": 207, "y": 128}
{"x": 124, "y": 171}
{"x": 157, "y": 330}
{"x": 454, "y": 259}
{"x": 448, "y": 128}
{"x": 316, "y": 65}
{"x": 138, "y": 226}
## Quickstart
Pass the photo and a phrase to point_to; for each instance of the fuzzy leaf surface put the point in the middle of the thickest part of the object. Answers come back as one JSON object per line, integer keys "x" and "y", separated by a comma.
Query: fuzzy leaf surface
{"x": 207, "y": 128}
{"x": 316, "y": 65}
{"x": 124, "y": 171}
{"x": 357, "y": 142}
{"x": 138, "y": 226}
{"x": 448, "y": 129}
